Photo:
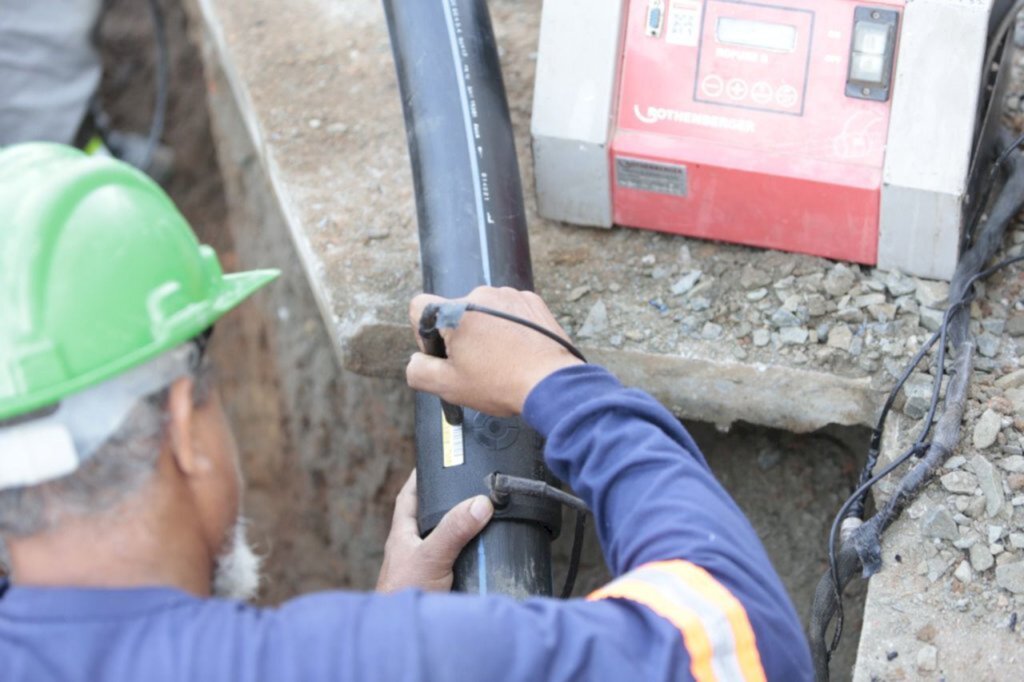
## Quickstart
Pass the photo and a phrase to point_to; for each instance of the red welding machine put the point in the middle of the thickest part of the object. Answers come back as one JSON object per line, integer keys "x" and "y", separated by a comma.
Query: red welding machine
{"x": 836, "y": 128}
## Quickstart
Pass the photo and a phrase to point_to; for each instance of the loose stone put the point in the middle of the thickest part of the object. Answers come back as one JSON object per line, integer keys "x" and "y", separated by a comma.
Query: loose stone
{"x": 991, "y": 483}
{"x": 988, "y": 345}
{"x": 686, "y": 283}
{"x": 752, "y": 277}
{"x": 1013, "y": 464}
{"x": 981, "y": 558}
{"x": 963, "y": 572}
{"x": 927, "y": 658}
{"x": 711, "y": 331}
{"x": 784, "y": 318}
{"x": 1011, "y": 577}
{"x": 931, "y": 319}
{"x": 578, "y": 293}
{"x": 596, "y": 322}
{"x": 938, "y": 523}
{"x": 959, "y": 482}
{"x": 931, "y": 294}
{"x": 1015, "y": 325}
{"x": 793, "y": 336}
{"x": 987, "y": 429}
{"x": 899, "y": 284}
{"x": 839, "y": 280}
{"x": 757, "y": 294}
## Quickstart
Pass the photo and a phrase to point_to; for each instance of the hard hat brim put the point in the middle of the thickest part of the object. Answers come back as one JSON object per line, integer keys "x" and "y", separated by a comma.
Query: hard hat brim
{"x": 234, "y": 288}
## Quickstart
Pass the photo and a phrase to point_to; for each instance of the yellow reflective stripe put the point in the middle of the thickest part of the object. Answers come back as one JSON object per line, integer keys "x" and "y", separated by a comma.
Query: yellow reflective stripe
{"x": 715, "y": 627}
{"x": 742, "y": 632}
{"x": 695, "y": 638}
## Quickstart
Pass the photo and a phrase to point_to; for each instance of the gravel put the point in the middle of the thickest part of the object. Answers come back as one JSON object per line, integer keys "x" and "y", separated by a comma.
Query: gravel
{"x": 783, "y": 318}
{"x": 931, "y": 294}
{"x": 1011, "y": 577}
{"x": 986, "y": 429}
{"x": 596, "y": 321}
{"x": 1015, "y": 325}
{"x": 959, "y": 482}
{"x": 988, "y": 345}
{"x": 991, "y": 483}
{"x": 793, "y": 336}
{"x": 981, "y": 558}
{"x": 918, "y": 391}
{"x": 931, "y": 319}
{"x": 938, "y": 523}
{"x": 839, "y": 280}
{"x": 927, "y": 658}
{"x": 899, "y": 284}
{"x": 686, "y": 283}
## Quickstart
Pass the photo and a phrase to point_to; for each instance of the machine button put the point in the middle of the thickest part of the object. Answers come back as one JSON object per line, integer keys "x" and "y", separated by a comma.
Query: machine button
{"x": 870, "y": 38}
{"x": 762, "y": 92}
{"x": 738, "y": 89}
{"x": 872, "y": 51}
{"x": 787, "y": 96}
{"x": 712, "y": 85}
{"x": 867, "y": 68}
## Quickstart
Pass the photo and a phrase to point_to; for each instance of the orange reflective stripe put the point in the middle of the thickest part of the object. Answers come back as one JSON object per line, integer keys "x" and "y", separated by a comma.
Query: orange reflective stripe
{"x": 695, "y": 638}
{"x": 742, "y": 632}
{"x": 715, "y": 627}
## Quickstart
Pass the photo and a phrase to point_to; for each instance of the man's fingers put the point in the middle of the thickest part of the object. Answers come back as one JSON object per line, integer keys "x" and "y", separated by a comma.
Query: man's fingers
{"x": 404, "y": 519}
{"x": 461, "y": 524}
{"x": 418, "y": 303}
{"x": 428, "y": 374}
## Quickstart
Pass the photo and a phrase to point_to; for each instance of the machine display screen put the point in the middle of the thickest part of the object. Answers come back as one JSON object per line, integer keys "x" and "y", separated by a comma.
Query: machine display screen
{"x": 760, "y": 35}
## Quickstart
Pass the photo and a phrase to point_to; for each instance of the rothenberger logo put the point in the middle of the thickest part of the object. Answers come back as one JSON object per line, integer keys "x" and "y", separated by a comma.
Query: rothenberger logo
{"x": 656, "y": 114}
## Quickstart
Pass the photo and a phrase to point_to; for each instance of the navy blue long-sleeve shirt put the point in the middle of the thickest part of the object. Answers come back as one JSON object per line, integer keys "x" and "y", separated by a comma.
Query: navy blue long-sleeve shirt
{"x": 695, "y": 595}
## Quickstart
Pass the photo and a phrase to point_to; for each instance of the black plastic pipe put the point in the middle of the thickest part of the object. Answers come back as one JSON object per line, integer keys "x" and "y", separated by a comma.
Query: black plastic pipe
{"x": 472, "y": 228}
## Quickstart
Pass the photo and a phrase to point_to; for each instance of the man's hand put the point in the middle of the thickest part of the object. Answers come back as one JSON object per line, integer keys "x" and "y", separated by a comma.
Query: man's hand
{"x": 410, "y": 561}
{"x": 492, "y": 364}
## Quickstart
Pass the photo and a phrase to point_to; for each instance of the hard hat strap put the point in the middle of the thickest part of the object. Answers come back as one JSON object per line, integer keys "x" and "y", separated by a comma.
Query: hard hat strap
{"x": 58, "y": 443}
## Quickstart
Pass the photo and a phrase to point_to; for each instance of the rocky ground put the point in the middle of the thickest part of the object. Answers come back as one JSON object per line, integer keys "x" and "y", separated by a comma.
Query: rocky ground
{"x": 791, "y": 308}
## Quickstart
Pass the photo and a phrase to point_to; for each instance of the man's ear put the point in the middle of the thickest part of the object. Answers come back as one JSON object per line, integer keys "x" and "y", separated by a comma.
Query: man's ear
{"x": 181, "y": 412}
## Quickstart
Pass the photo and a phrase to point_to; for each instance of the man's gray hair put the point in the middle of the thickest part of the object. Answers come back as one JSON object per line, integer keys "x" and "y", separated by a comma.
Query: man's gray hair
{"x": 118, "y": 469}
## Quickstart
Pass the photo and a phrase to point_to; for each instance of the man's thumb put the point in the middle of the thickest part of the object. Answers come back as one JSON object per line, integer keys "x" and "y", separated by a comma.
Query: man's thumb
{"x": 461, "y": 524}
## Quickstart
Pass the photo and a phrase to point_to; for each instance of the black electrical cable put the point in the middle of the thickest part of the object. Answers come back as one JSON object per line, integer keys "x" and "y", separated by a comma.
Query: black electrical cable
{"x": 962, "y": 294}
{"x": 875, "y": 447}
{"x": 990, "y": 181}
{"x": 919, "y": 445}
{"x": 575, "y": 554}
{"x": 503, "y": 485}
{"x": 857, "y": 495}
{"x": 472, "y": 307}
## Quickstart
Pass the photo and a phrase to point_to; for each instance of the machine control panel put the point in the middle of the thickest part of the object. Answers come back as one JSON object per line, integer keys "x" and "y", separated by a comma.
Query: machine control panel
{"x": 778, "y": 109}
{"x": 754, "y": 57}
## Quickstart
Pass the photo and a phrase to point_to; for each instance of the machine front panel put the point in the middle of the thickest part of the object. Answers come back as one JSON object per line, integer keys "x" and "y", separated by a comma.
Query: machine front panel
{"x": 772, "y": 94}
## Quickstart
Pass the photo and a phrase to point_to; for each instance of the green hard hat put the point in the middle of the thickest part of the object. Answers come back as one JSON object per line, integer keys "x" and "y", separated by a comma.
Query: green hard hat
{"x": 99, "y": 273}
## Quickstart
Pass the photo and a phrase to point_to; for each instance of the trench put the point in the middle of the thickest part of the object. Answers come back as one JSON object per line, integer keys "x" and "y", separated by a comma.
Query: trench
{"x": 325, "y": 451}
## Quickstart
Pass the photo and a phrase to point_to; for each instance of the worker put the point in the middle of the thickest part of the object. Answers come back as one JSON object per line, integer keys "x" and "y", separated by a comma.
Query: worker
{"x": 120, "y": 488}
{"x": 50, "y": 72}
